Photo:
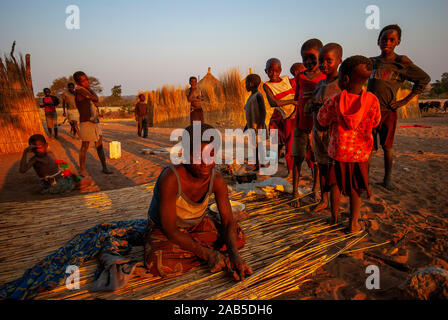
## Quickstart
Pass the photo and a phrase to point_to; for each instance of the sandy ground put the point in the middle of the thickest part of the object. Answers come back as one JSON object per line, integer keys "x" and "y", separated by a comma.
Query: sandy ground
{"x": 417, "y": 208}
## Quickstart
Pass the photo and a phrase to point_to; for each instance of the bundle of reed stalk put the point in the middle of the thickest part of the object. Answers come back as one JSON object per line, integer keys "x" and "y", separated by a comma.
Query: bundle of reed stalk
{"x": 19, "y": 115}
{"x": 411, "y": 110}
{"x": 284, "y": 246}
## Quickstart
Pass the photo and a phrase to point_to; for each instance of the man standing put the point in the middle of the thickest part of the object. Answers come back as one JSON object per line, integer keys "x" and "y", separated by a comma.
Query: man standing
{"x": 89, "y": 130}
{"x": 50, "y": 103}
{"x": 141, "y": 116}
{"x": 194, "y": 96}
{"x": 68, "y": 102}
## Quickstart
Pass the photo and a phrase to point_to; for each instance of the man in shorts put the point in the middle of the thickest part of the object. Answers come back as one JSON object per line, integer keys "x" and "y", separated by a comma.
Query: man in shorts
{"x": 89, "y": 129}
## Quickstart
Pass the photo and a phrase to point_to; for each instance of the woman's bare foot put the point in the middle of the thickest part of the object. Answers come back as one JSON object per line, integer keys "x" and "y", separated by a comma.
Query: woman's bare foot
{"x": 355, "y": 227}
{"x": 314, "y": 196}
{"x": 321, "y": 206}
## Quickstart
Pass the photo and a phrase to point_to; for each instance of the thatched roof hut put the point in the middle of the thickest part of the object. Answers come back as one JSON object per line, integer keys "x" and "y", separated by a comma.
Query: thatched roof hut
{"x": 209, "y": 80}
{"x": 19, "y": 114}
{"x": 212, "y": 89}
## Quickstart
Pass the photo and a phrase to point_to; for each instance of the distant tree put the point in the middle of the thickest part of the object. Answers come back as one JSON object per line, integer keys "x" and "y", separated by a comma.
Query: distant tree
{"x": 116, "y": 91}
{"x": 440, "y": 87}
{"x": 115, "y": 99}
{"x": 40, "y": 94}
{"x": 59, "y": 85}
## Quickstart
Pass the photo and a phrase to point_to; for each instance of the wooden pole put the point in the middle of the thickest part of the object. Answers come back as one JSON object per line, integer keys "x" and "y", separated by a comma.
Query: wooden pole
{"x": 29, "y": 80}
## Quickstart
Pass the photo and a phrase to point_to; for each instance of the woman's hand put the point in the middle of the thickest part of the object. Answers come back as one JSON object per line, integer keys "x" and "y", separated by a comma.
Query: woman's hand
{"x": 217, "y": 261}
{"x": 239, "y": 267}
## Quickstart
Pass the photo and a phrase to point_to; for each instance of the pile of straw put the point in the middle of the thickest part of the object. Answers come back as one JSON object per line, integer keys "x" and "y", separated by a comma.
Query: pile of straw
{"x": 19, "y": 114}
{"x": 284, "y": 246}
{"x": 411, "y": 110}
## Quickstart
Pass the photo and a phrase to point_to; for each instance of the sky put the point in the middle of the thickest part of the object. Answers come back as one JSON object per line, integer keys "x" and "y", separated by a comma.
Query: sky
{"x": 145, "y": 44}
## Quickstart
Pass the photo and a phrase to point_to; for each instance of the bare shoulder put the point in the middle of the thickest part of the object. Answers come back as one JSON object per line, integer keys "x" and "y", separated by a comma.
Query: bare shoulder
{"x": 405, "y": 60}
{"x": 266, "y": 87}
{"x": 168, "y": 179}
{"x": 219, "y": 184}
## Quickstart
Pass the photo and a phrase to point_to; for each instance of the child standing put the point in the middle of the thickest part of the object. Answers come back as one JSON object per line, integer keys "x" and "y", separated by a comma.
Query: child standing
{"x": 89, "y": 129}
{"x": 305, "y": 85}
{"x": 49, "y": 103}
{"x": 255, "y": 109}
{"x": 350, "y": 115}
{"x": 194, "y": 96}
{"x": 330, "y": 57}
{"x": 141, "y": 115}
{"x": 390, "y": 70}
{"x": 68, "y": 102}
{"x": 280, "y": 94}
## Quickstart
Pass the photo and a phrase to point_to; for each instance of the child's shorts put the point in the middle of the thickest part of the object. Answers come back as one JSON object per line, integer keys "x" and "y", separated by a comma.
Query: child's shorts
{"x": 73, "y": 114}
{"x": 386, "y": 129}
{"x": 52, "y": 119}
{"x": 349, "y": 176}
{"x": 89, "y": 131}
{"x": 301, "y": 143}
{"x": 320, "y": 141}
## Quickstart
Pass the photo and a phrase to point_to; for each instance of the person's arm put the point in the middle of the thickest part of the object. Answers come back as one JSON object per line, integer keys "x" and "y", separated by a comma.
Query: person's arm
{"x": 326, "y": 114}
{"x": 64, "y": 104}
{"x": 261, "y": 111}
{"x": 195, "y": 97}
{"x": 249, "y": 117}
{"x": 136, "y": 110}
{"x": 189, "y": 94}
{"x": 417, "y": 76}
{"x": 168, "y": 191}
{"x": 274, "y": 102}
{"x": 24, "y": 164}
{"x": 239, "y": 266}
{"x": 377, "y": 115}
{"x": 55, "y": 101}
{"x": 316, "y": 122}
{"x": 87, "y": 93}
{"x": 296, "y": 93}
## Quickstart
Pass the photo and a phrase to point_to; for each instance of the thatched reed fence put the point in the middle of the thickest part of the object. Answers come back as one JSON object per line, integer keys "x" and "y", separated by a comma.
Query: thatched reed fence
{"x": 225, "y": 96}
{"x": 19, "y": 114}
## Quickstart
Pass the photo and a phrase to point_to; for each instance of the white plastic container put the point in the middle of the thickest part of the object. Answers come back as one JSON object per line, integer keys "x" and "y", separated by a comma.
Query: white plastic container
{"x": 115, "y": 150}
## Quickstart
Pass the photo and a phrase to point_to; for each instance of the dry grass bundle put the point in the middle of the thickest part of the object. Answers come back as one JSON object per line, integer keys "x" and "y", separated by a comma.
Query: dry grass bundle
{"x": 411, "y": 110}
{"x": 19, "y": 115}
{"x": 234, "y": 89}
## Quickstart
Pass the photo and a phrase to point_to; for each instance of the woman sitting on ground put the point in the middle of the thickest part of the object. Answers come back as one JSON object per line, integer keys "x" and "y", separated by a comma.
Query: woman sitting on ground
{"x": 179, "y": 233}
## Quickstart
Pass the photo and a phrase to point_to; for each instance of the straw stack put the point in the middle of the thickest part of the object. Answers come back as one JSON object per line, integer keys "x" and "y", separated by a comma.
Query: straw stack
{"x": 410, "y": 110}
{"x": 19, "y": 114}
